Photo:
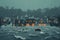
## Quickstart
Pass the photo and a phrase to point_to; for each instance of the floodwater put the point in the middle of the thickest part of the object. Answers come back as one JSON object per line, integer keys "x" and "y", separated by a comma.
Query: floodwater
{"x": 28, "y": 33}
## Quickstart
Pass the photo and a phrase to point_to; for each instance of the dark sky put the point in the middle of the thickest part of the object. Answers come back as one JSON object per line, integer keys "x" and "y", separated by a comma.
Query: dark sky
{"x": 30, "y": 4}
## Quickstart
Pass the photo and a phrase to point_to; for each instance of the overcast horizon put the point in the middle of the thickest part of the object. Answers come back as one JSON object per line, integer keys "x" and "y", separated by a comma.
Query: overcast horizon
{"x": 30, "y": 4}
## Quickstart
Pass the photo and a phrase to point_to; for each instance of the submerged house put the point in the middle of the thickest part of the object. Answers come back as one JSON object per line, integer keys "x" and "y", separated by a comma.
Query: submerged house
{"x": 42, "y": 22}
{"x": 30, "y": 22}
{"x": 22, "y": 22}
{"x": 6, "y": 21}
{"x": 54, "y": 21}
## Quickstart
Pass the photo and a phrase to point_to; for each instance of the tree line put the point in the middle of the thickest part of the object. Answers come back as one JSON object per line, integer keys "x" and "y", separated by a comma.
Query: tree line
{"x": 6, "y": 12}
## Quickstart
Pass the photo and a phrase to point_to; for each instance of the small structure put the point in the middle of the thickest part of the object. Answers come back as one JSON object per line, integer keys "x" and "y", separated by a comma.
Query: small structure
{"x": 1, "y": 21}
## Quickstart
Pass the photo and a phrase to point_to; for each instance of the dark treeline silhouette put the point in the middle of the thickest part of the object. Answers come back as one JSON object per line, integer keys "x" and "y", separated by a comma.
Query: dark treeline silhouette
{"x": 6, "y": 12}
